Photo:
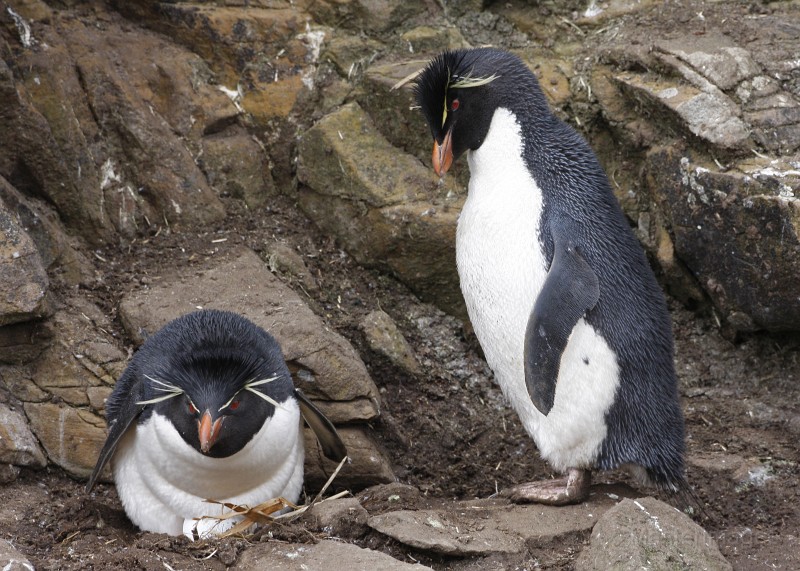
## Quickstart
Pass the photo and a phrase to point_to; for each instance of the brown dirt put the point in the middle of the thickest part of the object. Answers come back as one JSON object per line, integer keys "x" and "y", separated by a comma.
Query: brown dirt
{"x": 447, "y": 431}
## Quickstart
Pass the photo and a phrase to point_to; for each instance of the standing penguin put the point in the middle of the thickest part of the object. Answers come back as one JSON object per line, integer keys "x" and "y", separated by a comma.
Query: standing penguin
{"x": 207, "y": 410}
{"x": 559, "y": 292}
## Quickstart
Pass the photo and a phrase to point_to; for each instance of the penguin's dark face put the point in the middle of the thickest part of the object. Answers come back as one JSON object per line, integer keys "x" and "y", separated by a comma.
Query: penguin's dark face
{"x": 217, "y": 427}
{"x": 458, "y": 93}
{"x": 220, "y": 398}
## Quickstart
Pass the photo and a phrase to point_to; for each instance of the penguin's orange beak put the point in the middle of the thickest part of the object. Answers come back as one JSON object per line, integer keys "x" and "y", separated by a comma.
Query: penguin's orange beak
{"x": 443, "y": 154}
{"x": 208, "y": 431}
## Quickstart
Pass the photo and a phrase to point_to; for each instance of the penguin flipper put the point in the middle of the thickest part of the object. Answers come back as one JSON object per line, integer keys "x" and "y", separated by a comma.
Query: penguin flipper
{"x": 332, "y": 445}
{"x": 127, "y": 411}
{"x": 570, "y": 290}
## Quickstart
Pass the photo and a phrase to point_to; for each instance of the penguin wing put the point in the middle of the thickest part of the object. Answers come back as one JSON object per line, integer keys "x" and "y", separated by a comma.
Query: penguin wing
{"x": 332, "y": 445}
{"x": 127, "y": 411}
{"x": 570, "y": 290}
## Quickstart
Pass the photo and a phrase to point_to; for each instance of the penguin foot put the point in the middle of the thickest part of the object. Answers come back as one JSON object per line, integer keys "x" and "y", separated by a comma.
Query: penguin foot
{"x": 560, "y": 492}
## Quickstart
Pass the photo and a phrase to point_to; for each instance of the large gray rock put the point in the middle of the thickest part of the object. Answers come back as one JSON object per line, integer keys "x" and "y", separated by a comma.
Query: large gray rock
{"x": 717, "y": 214}
{"x": 737, "y": 231}
{"x": 649, "y": 534}
{"x": 707, "y": 113}
{"x": 23, "y": 280}
{"x": 385, "y": 338}
{"x": 383, "y": 205}
{"x": 322, "y": 362}
{"x": 323, "y": 556}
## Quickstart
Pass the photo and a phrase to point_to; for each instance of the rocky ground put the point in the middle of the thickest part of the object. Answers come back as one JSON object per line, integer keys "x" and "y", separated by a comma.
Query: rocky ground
{"x": 133, "y": 189}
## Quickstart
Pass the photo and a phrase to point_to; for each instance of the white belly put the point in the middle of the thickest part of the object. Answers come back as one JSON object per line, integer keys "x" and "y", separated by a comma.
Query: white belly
{"x": 502, "y": 269}
{"x": 163, "y": 482}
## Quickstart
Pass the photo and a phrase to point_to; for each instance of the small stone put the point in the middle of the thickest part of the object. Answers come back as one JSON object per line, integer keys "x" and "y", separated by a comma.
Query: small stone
{"x": 385, "y": 338}
{"x": 282, "y": 258}
{"x": 11, "y": 559}
{"x": 18, "y": 446}
{"x": 340, "y": 518}
{"x": 8, "y": 473}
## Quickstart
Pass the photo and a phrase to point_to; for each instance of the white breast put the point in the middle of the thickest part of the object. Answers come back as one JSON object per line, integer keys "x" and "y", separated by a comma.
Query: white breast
{"x": 502, "y": 269}
{"x": 163, "y": 482}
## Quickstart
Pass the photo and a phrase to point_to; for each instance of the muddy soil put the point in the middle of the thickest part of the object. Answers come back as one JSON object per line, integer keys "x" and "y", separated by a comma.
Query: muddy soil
{"x": 448, "y": 431}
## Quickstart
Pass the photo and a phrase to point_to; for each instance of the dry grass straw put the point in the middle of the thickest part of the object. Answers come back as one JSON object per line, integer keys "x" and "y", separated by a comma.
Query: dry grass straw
{"x": 262, "y": 513}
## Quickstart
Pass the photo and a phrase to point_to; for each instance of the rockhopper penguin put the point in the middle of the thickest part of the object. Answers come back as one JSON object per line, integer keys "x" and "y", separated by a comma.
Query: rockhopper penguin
{"x": 206, "y": 409}
{"x": 558, "y": 290}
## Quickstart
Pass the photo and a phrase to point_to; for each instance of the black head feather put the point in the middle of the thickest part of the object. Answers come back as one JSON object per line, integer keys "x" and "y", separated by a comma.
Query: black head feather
{"x": 203, "y": 361}
{"x": 481, "y": 80}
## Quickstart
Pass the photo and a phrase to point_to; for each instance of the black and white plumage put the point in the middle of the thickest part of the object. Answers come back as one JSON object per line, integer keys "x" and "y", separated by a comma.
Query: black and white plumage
{"x": 206, "y": 409}
{"x": 559, "y": 291}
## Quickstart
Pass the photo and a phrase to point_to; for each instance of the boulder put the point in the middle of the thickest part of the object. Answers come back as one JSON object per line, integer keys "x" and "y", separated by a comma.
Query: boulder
{"x": 648, "y": 534}
{"x": 738, "y": 232}
{"x": 99, "y": 144}
{"x": 382, "y": 205}
{"x": 60, "y": 253}
{"x": 706, "y": 113}
{"x": 81, "y": 356}
{"x": 72, "y": 366}
{"x": 719, "y": 220}
{"x": 258, "y": 52}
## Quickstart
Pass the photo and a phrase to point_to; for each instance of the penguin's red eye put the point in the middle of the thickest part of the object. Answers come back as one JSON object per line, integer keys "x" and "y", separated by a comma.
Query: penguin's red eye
{"x": 234, "y": 405}
{"x": 454, "y": 105}
{"x": 192, "y": 408}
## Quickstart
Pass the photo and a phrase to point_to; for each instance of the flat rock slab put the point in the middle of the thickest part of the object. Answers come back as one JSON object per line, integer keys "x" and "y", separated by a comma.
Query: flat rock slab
{"x": 485, "y": 527}
{"x": 648, "y": 534}
{"x": 324, "y": 556}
